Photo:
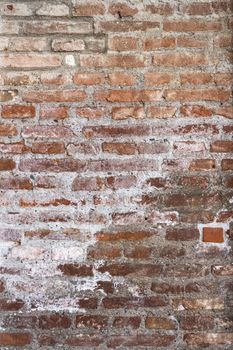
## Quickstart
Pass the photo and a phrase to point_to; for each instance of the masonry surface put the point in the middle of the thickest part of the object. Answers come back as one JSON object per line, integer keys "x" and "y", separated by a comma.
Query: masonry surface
{"x": 116, "y": 175}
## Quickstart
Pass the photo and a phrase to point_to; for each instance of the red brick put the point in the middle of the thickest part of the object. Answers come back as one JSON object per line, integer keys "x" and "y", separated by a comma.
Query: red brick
{"x": 20, "y": 78}
{"x": 148, "y": 270}
{"x": 224, "y": 41}
{"x": 160, "y": 323}
{"x": 202, "y": 164}
{"x": 53, "y": 78}
{"x": 53, "y": 10}
{"x": 54, "y": 113}
{"x": 54, "y": 202}
{"x": 198, "y": 304}
{"x": 46, "y": 340}
{"x": 122, "y": 10}
{"x": 138, "y": 252}
{"x": 88, "y": 303}
{"x": 213, "y": 234}
{"x": 89, "y": 340}
{"x": 121, "y": 302}
{"x": 222, "y": 146}
{"x": 166, "y": 288}
{"x": 197, "y": 322}
{"x": 88, "y": 184}
{"x": 91, "y": 321}
{"x": 88, "y": 9}
{"x": 122, "y": 322}
{"x": 88, "y": 78}
{"x": 161, "y": 112}
{"x": 57, "y": 27}
{"x": 119, "y": 148}
{"x": 20, "y": 321}
{"x": 185, "y": 270}
{"x": 151, "y": 43}
{"x": 182, "y": 234}
{"x": 7, "y": 95}
{"x": 222, "y": 270}
{"x": 54, "y": 96}
{"x": 123, "y": 235}
{"x": 31, "y": 61}
{"x": 68, "y": 45}
{"x": 90, "y": 113}
{"x": 111, "y": 131}
{"x": 152, "y": 78}
{"x": 18, "y": 111}
{"x": 11, "y": 305}
{"x": 2, "y": 286}
{"x": 191, "y": 42}
{"x": 52, "y": 132}
{"x": 123, "y": 43}
{"x": 133, "y": 96}
{"x": 111, "y": 61}
{"x": 121, "y": 113}
{"x": 191, "y": 26}
{"x": 76, "y": 270}
{"x": 16, "y": 10}
{"x": 194, "y": 182}
{"x": 28, "y": 44}
{"x": 105, "y": 252}
{"x": 121, "y": 79}
{"x": 6, "y": 164}
{"x": 196, "y": 111}
{"x": 196, "y": 78}
{"x": 179, "y": 59}
{"x": 126, "y": 181}
{"x": 147, "y": 340}
{"x": 15, "y": 183}
{"x": 197, "y": 95}
{"x": 223, "y": 79}
{"x": 127, "y": 26}
{"x": 227, "y": 164}
{"x": 15, "y": 339}
{"x": 207, "y": 339}
{"x": 199, "y": 9}
{"x": 8, "y": 130}
{"x": 54, "y": 165}
{"x": 188, "y": 146}
{"x": 160, "y": 9}
{"x": 48, "y": 148}
{"x": 158, "y": 182}
{"x": 54, "y": 321}
{"x": 105, "y": 286}
{"x": 192, "y": 200}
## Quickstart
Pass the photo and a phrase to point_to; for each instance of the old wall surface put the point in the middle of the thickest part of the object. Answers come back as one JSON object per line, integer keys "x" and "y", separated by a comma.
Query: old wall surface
{"x": 116, "y": 175}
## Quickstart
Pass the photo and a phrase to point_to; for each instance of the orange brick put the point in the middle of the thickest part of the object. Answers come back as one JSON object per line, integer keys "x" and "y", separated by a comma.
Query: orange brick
{"x": 213, "y": 235}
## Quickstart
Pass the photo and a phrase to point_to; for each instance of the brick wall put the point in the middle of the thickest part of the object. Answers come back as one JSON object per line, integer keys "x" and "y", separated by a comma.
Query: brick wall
{"x": 116, "y": 174}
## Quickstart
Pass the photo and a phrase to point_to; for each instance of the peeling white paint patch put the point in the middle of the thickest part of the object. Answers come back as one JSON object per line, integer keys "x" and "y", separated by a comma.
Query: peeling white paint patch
{"x": 70, "y": 60}
{"x": 43, "y": 286}
{"x": 180, "y": 307}
{"x": 74, "y": 253}
{"x": 135, "y": 291}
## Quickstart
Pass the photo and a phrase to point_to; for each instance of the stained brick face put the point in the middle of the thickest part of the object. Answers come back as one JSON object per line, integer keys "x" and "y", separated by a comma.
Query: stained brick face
{"x": 116, "y": 174}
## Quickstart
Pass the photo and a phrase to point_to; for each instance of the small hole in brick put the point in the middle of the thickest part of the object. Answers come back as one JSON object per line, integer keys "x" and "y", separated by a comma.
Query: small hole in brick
{"x": 10, "y": 7}
{"x": 119, "y": 14}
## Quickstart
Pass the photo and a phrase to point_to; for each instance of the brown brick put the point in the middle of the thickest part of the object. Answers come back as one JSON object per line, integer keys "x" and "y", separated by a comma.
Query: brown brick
{"x": 15, "y": 339}
{"x": 54, "y": 321}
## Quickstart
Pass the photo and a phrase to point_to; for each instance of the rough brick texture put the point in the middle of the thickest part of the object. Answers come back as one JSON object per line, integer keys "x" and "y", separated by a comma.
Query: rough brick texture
{"x": 116, "y": 174}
